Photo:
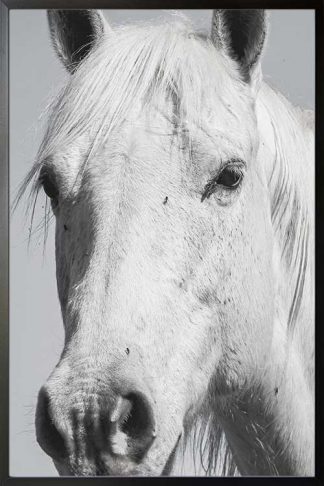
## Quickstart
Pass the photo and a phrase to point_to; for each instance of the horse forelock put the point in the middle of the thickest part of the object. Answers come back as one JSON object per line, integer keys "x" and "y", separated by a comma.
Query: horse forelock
{"x": 135, "y": 67}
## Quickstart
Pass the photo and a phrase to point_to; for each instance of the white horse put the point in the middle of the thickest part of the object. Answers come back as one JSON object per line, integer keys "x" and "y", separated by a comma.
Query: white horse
{"x": 182, "y": 188}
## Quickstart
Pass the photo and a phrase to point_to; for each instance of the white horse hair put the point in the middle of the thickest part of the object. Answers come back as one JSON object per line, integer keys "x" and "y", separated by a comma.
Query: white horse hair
{"x": 148, "y": 114}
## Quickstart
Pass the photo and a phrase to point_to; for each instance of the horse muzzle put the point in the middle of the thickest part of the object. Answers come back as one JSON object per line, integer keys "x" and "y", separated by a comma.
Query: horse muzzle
{"x": 91, "y": 434}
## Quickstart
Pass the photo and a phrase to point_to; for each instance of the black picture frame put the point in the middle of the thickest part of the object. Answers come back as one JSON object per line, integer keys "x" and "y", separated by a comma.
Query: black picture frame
{"x": 5, "y": 7}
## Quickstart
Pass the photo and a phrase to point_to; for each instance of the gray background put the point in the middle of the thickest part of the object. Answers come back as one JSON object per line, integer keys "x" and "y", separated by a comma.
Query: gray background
{"x": 36, "y": 332}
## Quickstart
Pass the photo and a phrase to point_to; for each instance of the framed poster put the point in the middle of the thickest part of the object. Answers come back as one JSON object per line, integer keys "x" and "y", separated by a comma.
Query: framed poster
{"x": 161, "y": 241}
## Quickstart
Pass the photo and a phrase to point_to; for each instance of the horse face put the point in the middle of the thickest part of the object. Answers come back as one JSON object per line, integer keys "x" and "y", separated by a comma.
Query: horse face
{"x": 164, "y": 271}
{"x": 165, "y": 284}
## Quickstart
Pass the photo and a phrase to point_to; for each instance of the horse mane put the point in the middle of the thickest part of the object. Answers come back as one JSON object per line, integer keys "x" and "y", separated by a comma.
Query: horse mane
{"x": 292, "y": 193}
{"x": 173, "y": 60}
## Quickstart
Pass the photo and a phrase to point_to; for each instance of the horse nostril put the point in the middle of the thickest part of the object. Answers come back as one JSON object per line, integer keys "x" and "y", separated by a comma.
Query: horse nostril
{"x": 47, "y": 434}
{"x": 133, "y": 426}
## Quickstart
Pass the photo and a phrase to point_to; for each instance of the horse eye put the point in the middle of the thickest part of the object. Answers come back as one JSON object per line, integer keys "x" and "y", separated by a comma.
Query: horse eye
{"x": 49, "y": 186}
{"x": 229, "y": 178}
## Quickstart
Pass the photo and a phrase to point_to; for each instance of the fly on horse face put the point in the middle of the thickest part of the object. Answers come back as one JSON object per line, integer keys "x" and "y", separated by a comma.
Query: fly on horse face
{"x": 182, "y": 189}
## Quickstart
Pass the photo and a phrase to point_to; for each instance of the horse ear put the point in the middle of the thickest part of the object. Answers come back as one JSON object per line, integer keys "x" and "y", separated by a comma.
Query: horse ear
{"x": 74, "y": 32}
{"x": 241, "y": 34}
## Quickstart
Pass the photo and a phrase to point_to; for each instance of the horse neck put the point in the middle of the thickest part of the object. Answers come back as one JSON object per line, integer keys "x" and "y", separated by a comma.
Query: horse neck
{"x": 270, "y": 428}
{"x": 292, "y": 353}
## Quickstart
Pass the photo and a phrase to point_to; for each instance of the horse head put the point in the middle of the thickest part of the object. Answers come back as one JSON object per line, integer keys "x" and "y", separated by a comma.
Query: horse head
{"x": 164, "y": 236}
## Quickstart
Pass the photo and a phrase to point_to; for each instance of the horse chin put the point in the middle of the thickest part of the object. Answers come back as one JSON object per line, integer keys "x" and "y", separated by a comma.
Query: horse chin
{"x": 109, "y": 470}
{"x": 116, "y": 466}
